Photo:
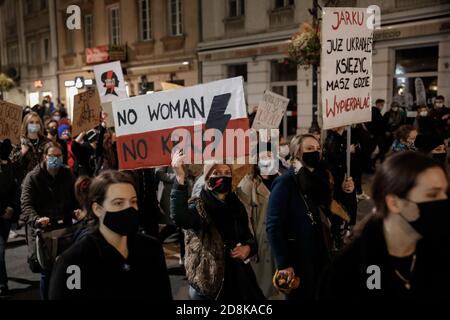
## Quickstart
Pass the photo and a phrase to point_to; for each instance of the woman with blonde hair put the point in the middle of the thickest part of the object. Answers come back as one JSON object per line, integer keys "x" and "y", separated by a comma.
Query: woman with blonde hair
{"x": 27, "y": 155}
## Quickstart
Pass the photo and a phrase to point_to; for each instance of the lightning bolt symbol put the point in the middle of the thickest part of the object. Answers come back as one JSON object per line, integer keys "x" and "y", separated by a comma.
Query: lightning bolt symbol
{"x": 217, "y": 119}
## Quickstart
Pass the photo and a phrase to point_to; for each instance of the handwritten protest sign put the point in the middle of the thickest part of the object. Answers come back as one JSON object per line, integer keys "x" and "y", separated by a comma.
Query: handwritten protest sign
{"x": 346, "y": 66}
{"x": 110, "y": 81}
{"x": 86, "y": 114}
{"x": 149, "y": 126}
{"x": 270, "y": 112}
{"x": 10, "y": 121}
{"x": 107, "y": 114}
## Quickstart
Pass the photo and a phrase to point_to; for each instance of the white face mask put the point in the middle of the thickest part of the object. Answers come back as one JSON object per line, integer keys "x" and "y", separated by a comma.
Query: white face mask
{"x": 423, "y": 113}
{"x": 395, "y": 109}
{"x": 439, "y": 105}
{"x": 284, "y": 151}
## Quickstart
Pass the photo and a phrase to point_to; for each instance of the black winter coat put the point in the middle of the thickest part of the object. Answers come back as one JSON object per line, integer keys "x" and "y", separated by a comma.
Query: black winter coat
{"x": 106, "y": 275}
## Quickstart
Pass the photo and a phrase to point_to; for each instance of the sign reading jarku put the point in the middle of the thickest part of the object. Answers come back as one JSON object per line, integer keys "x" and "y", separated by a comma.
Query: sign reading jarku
{"x": 149, "y": 126}
{"x": 346, "y": 66}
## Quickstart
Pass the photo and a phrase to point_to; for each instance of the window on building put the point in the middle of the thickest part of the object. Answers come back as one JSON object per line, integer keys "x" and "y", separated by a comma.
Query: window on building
{"x": 283, "y": 81}
{"x": 69, "y": 41}
{"x": 45, "y": 49}
{"x": 175, "y": 17}
{"x": 88, "y": 25}
{"x": 416, "y": 75}
{"x": 282, "y": 70}
{"x": 145, "y": 15}
{"x": 43, "y": 4}
{"x": 29, "y": 6}
{"x": 237, "y": 70}
{"x": 236, "y": 8}
{"x": 283, "y": 3}
{"x": 10, "y": 8}
{"x": 114, "y": 25}
{"x": 32, "y": 53}
{"x": 13, "y": 55}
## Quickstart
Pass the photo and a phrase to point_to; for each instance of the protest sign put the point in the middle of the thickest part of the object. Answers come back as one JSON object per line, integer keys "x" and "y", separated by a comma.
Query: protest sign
{"x": 270, "y": 112}
{"x": 169, "y": 86}
{"x": 107, "y": 114}
{"x": 346, "y": 66}
{"x": 110, "y": 82}
{"x": 10, "y": 121}
{"x": 86, "y": 113}
{"x": 149, "y": 126}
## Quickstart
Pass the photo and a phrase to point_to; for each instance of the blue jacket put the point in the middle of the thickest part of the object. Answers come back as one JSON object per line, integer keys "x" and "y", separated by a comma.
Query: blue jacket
{"x": 294, "y": 240}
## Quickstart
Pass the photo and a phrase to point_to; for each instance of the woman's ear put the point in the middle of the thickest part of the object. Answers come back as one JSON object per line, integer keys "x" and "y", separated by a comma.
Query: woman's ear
{"x": 97, "y": 209}
{"x": 392, "y": 203}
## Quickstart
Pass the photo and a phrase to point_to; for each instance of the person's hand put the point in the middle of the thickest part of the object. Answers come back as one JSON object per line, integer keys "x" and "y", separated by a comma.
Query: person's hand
{"x": 8, "y": 214}
{"x": 353, "y": 148}
{"x": 25, "y": 149}
{"x": 287, "y": 273}
{"x": 178, "y": 166}
{"x": 43, "y": 221}
{"x": 348, "y": 186}
{"x": 447, "y": 116}
{"x": 80, "y": 137}
{"x": 79, "y": 214}
{"x": 240, "y": 252}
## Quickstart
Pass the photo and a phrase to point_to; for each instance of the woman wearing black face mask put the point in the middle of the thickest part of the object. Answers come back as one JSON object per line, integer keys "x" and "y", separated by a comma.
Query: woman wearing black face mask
{"x": 407, "y": 239}
{"x": 218, "y": 240}
{"x": 298, "y": 217}
{"x": 115, "y": 262}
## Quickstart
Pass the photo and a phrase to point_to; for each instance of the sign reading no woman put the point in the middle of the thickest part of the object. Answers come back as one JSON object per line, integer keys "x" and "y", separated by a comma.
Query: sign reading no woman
{"x": 346, "y": 66}
{"x": 147, "y": 126}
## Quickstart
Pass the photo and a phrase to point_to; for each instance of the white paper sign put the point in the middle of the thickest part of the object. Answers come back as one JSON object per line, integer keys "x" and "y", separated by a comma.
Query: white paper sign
{"x": 110, "y": 82}
{"x": 270, "y": 112}
{"x": 346, "y": 66}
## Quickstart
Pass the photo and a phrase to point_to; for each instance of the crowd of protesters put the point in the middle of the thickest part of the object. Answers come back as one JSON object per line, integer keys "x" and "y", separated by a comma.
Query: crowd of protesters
{"x": 294, "y": 232}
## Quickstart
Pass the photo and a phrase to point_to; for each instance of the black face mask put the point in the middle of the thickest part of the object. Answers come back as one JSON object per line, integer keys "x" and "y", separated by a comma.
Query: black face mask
{"x": 440, "y": 157}
{"x": 52, "y": 131}
{"x": 311, "y": 159}
{"x": 220, "y": 184}
{"x": 434, "y": 219}
{"x": 125, "y": 222}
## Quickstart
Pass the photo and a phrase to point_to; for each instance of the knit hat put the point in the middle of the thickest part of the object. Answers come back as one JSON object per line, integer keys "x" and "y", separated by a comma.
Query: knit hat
{"x": 61, "y": 129}
{"x": 427, "y": 143}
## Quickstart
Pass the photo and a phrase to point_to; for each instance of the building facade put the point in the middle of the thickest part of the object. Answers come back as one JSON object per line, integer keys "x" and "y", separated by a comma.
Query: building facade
{"x": 28, "y": 49}
{"x": 250, "y": 38}
{"x": 156, "y": 40}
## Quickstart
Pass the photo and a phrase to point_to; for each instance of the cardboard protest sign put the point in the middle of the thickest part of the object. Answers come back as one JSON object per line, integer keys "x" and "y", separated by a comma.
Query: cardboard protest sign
{"x": 346, "y": 66}
{"x": 108, "y": 114}
{"x": 169, "y": 86}
{"x": 110, "y": 81}
{"x": 149, "y": 126}
{"x": 86, "y": 113}
{"x": 270, "y": 112}
{"x": 10, "y": 121}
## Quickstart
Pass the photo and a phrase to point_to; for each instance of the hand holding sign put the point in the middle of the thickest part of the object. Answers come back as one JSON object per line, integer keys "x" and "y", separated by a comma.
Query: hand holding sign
{"x": 178, "y": 166}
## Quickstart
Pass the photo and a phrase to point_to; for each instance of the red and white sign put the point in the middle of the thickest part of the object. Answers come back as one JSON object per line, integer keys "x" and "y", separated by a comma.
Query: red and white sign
{"x": 144, "y": 124}
{"x": 97, "y": 54}
{"x": 346, "y": 66}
